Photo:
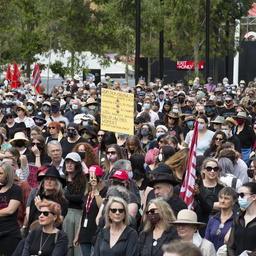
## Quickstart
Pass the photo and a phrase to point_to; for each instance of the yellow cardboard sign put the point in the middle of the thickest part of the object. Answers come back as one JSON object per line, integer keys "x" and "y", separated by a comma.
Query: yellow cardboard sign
{"x": 117, "y": 111}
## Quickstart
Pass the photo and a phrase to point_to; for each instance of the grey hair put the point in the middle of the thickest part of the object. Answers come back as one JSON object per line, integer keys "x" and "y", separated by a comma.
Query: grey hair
{"x": 226, "y": 165}
{"x": 122, "y": 165}
{"x": 9, "y": 172}
{"x": 119, "y": 191}
{"x": 53, "y": 142}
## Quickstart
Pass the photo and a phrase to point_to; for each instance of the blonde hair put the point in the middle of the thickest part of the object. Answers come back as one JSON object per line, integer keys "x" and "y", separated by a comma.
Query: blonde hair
{"x": 165, "y": 212}
{"x": 117, "y": 200}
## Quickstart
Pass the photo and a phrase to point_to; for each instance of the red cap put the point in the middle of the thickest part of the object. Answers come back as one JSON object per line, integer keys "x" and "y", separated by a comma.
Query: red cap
{"x": 95, "y": 168}
{"x": 120, "y": 174}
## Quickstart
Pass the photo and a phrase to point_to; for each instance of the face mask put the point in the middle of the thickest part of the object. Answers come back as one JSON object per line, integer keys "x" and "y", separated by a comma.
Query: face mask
{"x": 71, "y": 134}
{"x": 228, "y": 104}
{"x": 144, "y": 133}
{"x": 25, "y": 91}
{"x": 208, "y": 110}
{"x": 2, "y": 87}
{"x": 155, "y": 108}
{"x": 138, "y": 89}
{"x": 40, "y": 99}
{"x": 195, "y": 84}
{"x": 181, "y": 100}
{"x": 46, "y": 108}
{"x": 160, "y": 157}
{"x": 226, "y": 132}
{"x": 81, "y": 154}
{"x": 38, "y": 123}
{"x": 190, "y": 123}
{"x": 158, "y": 134}
{"x": 29, "y": 107}
{"x": 211, "y": 82}
{"x": 175, "y": 111}
{"x": 85, "y": 123}
{"x": 83, "y": 109}
{"x": 121, "y": 134}
{"x": 15, "y": 98}
{"x": 87, "y": 136}
{"x": 112, "y": 158}
{"x": 219, "y": 103}
{"x": 33, "y": 97}
{"x": 240, "y": 121}
{"x": 154, "y": 218}
{"x": 242, "y": 85}
{"x": 243, "y": 202}
{"x": 145, "y": 166}
{"x": 74, "y": 107}
{"x": 147, "y": 106}
{"x": 233, "y": 88}
{"x": 65, "y": 85}
{"x": 3, "y": 183}
{"x": 224, "y": 83}
{"x": 60, "y": 91}
{"x": 92, "y": 107}
{"x": 55, "y": 110}
{"x": 228, "y": 90}
{"x": 9, "y": 101}
{"x": 20, "y": 143}
{"x": 130, "y": 175}
{"x": 200, "y": 126}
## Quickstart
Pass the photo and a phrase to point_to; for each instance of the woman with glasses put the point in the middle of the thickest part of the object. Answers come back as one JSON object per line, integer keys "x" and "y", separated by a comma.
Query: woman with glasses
{"x": 219, "y": 224}
{"x": 218, "y": 138}
{"x": 243, "y": 230}
{"x": 54, "y": 129}
{"x": 38, "y": 155}
{"x": 158, "y": 228}
{"x": 11, "y": 124}
{"x": 10, "y": 199}
{"x": 47, "y": 240}
{"x": 117, "y": 238}
{"x": 23, "y": 116}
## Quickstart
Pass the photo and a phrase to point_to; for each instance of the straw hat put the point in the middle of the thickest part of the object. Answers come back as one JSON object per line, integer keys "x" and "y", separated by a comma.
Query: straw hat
{"x": 22, "y": 107}
{"x": 173, "y": 115}
{"x": 188, "y": 217}
{"x": 91, "y": 101}
{"x": 231, "y": 120}
{"x": 19, "y": 136}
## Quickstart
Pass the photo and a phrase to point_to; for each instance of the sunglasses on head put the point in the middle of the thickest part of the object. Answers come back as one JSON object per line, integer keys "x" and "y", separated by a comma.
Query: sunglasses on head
{"x": 114, "y": 210}
{"x": 152, "y": 211}
{"x": 209, "y": 168}
{"x": 45, "y": 213}
{"x": 52, "y": 127}
{"x": 242, "y": 194}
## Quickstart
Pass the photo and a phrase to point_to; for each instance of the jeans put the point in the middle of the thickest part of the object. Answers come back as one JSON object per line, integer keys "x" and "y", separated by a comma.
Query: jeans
{"x": 87, "y": 249}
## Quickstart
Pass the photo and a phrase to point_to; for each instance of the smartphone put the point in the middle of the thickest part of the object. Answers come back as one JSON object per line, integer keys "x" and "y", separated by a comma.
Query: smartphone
{"x": 92, "y": 175}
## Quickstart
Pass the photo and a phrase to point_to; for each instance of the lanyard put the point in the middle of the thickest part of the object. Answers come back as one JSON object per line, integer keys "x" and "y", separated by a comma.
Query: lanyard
{"x": 88, "y": 204}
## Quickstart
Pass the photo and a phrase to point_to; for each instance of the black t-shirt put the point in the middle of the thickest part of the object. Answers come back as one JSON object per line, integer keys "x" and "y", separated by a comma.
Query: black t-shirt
{"x": 227, "y": 112}
{"x": 9, "y": 223}
{"x": 67, "y": 147}
{"x": 12, "y": 131}
{"x": 186, "y": 108}
{"x": 43, "y": 158}
{"x": 175, "y": 131}
{"x": 9, "y": 108}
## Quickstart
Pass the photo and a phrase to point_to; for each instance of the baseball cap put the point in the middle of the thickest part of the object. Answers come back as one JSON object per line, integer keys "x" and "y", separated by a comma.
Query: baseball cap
{"x": 73, "y": 156}
{"x": 120, "y": 174}
{"x": 181, "y": 93}
{"x": 95, "y": 168}
{"x": 55, "y": 102}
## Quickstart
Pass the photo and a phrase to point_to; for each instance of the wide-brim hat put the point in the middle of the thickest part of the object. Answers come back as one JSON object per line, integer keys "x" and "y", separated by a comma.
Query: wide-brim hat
{"x": 163, "y": 178}
{"x": 209, "y": 103}
{"x": 189, "y": 117}
{"x": 231, "y": 120}
{"x": 173, "y": 115}
{"x": 52, "y": 172}
{"x": 77, "y": 77}
{"x": 21, "y": 127}
{"x": 32, "y": 102}
{"x": 88, "y": 129}
{"x": 162, "y": 168}
{"x": 19, "y": 136}
{"x": 91, "y": 101}
{"x": 9, "y": 94}
{"x": 41, "y": 116}
{"x": 218, "y": 120}
{"x": 22, "y": 107}
{"x": 241, "y": 115}
{"x": 186, "y": 216}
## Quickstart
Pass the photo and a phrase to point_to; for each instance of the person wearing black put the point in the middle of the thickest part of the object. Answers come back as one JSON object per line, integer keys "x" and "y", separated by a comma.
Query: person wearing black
{"x": 40, "y": 121}
{"x": 181, "y": 99}
{"x": 73, "y": 138}
{"x": 229, "y": 110}
{"x": 219, "y": 105}
{"x": 209, "y": 109}
{"x": 11, "y": 124}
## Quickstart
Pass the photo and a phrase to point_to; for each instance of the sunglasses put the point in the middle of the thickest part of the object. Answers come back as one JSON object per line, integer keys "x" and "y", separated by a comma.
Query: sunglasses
{"x": 114, "y": 210}
{"x": 242, "y": 194}
{"x": 219, "y": 139}
{"x": 100, "y": 135}
{"x": 45, "y": 213}
{"x": 111, "y": 152}
{"x": 52, "y": 127}
{"x": 228, "y": 101}
{"x": 35, "y": 144}
{"x": 209, "y": 168}
{"x": 152, "y": 211}
{"x": 218, "y": 231}
{"x": 71, "y": 130}
{"x": 9, "y": 117}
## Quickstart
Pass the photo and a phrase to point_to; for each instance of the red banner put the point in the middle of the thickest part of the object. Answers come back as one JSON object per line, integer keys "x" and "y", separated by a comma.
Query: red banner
{"x": 189, "y": 65}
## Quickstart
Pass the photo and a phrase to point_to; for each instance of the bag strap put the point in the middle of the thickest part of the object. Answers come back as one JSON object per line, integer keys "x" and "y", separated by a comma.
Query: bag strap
{"x": 56, "y": 237}
{"x": 233, "y": 184}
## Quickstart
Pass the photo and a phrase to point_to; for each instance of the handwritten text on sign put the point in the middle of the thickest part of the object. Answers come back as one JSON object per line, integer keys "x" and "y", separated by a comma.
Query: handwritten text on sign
{"x": 117, "y": 111}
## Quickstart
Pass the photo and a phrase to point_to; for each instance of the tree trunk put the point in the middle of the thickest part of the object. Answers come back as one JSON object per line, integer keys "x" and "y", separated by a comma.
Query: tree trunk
{"x": 196, "y": 56}
{"x": 149, "y": 70}
{"x": 28, "y": 63}
{"x": 127, "y": 59}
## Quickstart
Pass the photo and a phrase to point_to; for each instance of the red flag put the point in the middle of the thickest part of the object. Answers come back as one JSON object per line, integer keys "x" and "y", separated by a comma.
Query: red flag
{"x": 9, "y": 73}
{"x": 15, "y": 76}
{"x": 37, "y": 78}
{"x": 187, "y": 189}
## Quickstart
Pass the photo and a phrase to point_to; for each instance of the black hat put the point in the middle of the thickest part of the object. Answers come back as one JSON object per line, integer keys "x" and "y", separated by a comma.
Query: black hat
{"x": 21, "y": 126}
{"x": 69, "y": 96}
{"x": 22, "y": 97}
{"x": 41, "y": 116}
{"x": 74, "y": 125}
{"x": 52, "y": 172}
{"x": 159, "y": 122}
{"x": 88, "y": 129}
{"x": 164, "y": 178}
{"x": 55, "y": 102}
{"x": 139, "y": 119}
{"x": 162, "y": 168}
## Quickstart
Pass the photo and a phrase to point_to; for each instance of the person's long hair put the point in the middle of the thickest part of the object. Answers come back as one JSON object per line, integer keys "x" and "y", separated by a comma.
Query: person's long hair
{"x": 119, "y": 153}
{"x": 91, "y": 157}
{"x": 213, "y": 145}
{"x": 135, "y": 140}
{"x": 15, "y": 153}
{"x": 78, "y": 178}
{"x": 41, "y": 139}
{"x": 137, "y": 162}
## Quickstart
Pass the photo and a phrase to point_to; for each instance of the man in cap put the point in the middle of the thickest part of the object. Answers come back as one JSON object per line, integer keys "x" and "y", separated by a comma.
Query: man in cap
{"x": 76, "y": 109}
{"x": 55, "y": 113}
{"x": 163, "y": 188}
{"x": 210, "y": 86}
{"x": 181, "y": 100}
{"x": 73, "y": 138}
{"x": 229, "y": 110}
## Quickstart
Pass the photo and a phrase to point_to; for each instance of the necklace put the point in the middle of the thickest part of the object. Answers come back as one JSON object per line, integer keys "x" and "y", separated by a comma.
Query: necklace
{"x": 155, "y": 240}
{"x": 41, "y": 246}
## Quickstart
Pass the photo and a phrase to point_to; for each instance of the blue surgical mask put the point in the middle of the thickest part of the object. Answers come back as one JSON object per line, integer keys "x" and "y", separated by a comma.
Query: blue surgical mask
{"x": 158, "y": 134}
{"x": 160, "y": 85}
{"x": 233, "y": 88}
{"x": 228, "y": 90}
{"x": 175, "y": 111}
{"x": 74, "y": 107}
{"x": 29, "y": 107}
{"x": 83, "y": 109}
{"x": 190, "y": 123}
{"x": 9, "y": 101}
{"x": 226, "y": 132}
{"x": 208, "y": 109}
{"x": 138, "y": 89}
{"x": 15, "y": 98}
{"x": 144, "y": 133}
{"x": 200, "y": 126}
{"x": 147, "y": 106}
{"x": 195, "y": 84}
{"x": 242, "y": 85}
{"x": 130, "y": 175}
{"x": 46, "y": 108}
{"x": 2, "y": 87}
{"x": 85, "y": 123}
{"x": 145, "y": 166}
{"x": 243, "y": 202}
{"x": 121, "y": 134}
{"x": 33, "y": 97}
{"x": 224, "y": 83}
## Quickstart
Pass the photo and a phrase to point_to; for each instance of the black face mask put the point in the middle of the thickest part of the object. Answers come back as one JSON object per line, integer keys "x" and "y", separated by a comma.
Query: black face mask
{"x": 71, "y": 134}
{"x": 4, "y": 182}
{"x": 181, "y": 100}
{"x": 219, "y": 103}
{"x": 81, "y": 154}
{"x": 20, "y": 143}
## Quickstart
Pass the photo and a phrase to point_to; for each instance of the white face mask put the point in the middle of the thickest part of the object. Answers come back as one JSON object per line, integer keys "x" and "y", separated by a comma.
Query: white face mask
{"x": 160, "y": 157}
{"x": 226, "y": 132}
{"x": 200, "y": 126}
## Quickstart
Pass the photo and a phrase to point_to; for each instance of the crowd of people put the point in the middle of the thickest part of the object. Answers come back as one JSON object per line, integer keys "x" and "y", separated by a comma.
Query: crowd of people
{"x": 68, "y": 187}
